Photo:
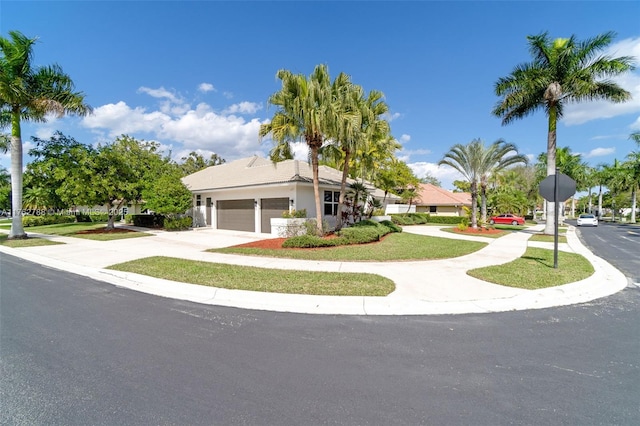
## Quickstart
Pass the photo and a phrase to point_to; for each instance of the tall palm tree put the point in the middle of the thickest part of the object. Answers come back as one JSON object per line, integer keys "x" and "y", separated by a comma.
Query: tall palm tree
{"x": 307, "y": 111}
{"x": 633, "y": 165}
{"x": 467, "y": 159}
{"x": 30, "y": 93}
{"x": 362, "y": 125}
{"x": 495, "y": 158}
{"x": 563, "y": 71}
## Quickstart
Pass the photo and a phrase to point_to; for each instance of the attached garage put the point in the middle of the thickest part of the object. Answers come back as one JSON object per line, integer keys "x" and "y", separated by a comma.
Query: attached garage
{"x": 269, "y": 208}
{"x": 236, "y": 215}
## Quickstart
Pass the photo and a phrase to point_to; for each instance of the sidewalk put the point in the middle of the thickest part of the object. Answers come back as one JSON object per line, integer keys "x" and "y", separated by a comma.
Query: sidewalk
{"x": 422, "y": 287}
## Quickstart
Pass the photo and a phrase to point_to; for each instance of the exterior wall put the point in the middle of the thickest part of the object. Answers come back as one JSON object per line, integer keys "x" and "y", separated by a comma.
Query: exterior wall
{"x": 399, "y": 208}
{"x": 442, "y": 210}
{"x": 301, "y": 194}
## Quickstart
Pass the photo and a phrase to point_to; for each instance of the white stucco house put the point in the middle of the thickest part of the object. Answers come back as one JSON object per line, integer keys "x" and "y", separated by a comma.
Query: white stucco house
{"x": 245, "y": 194}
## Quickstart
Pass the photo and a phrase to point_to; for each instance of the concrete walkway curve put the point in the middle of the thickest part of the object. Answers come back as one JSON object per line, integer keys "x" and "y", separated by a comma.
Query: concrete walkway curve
{"x": 422, "y": 287}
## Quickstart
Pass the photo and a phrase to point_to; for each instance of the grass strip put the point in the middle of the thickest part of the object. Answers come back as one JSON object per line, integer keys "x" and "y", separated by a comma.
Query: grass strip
{"x": 27, "y": 242}
{"x": 394, "y": 247}
{"x": 75, "y": 229}
{"x": 251, "y": 278}
{"x": 548, "y": 238}
{"x": 534, "y": 270}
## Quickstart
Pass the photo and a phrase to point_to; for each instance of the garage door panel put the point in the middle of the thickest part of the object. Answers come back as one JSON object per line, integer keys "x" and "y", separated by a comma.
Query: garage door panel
{"x": 236, "y": 215}
{"x": 270, "y": 208}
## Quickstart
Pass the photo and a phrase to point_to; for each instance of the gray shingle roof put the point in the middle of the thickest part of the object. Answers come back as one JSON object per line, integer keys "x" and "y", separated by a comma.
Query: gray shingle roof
{"x": 255, "y": 171}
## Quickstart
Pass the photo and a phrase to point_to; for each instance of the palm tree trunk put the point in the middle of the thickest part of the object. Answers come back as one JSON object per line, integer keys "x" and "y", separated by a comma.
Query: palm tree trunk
{"x": 549, "y": 227}
{"x": 17, "y": 231}
{"x": 316, "y": 187}
{"x": 343, "y": 188}
{"x": 634, "y": 203}
{"x": 483, "y": 202}
{"x": 600, "y": 203}
{"x": 474, "y": 204}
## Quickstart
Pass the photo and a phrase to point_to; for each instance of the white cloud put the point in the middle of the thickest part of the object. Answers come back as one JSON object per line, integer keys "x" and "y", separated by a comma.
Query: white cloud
{"x": 392, "y": 116}
{"x": 586, "y": 111}
{"x": 599, "y": 152}
{"x": 228, "y": 95}
{"x": 446, "y": 175}
{"x": 160, "y": 93}
{"x": 120, "y": 119}
{"x": 206, "y": 87}
{"x": 405, "y": 138}
{"x": 636, "y": 124}
{"x": 243, "y": 108}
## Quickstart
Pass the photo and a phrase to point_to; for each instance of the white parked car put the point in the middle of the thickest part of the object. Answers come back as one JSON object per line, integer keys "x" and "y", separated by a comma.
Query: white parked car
{"x": 587, "y": 220}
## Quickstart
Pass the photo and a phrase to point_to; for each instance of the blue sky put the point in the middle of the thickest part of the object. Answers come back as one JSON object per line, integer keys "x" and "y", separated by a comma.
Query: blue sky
{"x": 196, "y": 75}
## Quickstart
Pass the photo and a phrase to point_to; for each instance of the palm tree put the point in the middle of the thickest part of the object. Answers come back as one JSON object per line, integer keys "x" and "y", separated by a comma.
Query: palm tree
{"x": 467, "y": 159}
{"x": 306, "y": 110}
{"x": 30, "y": 93}
{"x": 498, "y": 156}
{"x": 633, "y": 165}
{"x": 361, "y": 125}
{"x": 563, "y": 71}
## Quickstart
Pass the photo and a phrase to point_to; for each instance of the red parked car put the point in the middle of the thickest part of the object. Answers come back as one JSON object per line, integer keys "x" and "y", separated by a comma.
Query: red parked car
{"x": 507, "y": 219}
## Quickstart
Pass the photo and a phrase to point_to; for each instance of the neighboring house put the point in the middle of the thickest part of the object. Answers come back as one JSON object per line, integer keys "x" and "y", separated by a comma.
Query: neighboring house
{"x": 245, "y": 194}
{"x": 441, "y": 202}
{"x": 132, "y": 207}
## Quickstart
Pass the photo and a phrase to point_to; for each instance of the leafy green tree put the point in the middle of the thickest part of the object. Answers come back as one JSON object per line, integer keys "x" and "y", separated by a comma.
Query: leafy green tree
{"x": 633, "y": 168}
{"x": 562, "y": 71}
{"x": 195, "y": 162}
{"x": 461, "y": 186}
{"x": 52, "y": 170}
{"x": 166, "y": 194}
{"x": 29, "y": 93}
{"x": 307, "y": 111}
{"x": 431, "y": 179}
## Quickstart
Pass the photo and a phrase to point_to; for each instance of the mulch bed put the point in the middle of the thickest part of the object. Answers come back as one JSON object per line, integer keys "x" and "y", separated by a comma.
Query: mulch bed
{"x": 478, "y": 231}
{"x": 106, "y": 231}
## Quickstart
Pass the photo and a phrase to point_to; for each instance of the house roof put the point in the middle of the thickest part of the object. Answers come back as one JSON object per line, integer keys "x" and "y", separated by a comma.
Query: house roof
{"x": 256, "y": 171}
{"x": 431, "y": 195}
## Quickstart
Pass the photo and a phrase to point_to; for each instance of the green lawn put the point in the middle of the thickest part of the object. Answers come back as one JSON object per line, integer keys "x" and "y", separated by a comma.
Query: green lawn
{"x": 548, "y": 238}
{"x": 73, "y": 229}
{"x": 259, "y": 279}
{"x": 29, "y": 242}
{"x": 394, "y": 247}
{"x": 535, "y": 270}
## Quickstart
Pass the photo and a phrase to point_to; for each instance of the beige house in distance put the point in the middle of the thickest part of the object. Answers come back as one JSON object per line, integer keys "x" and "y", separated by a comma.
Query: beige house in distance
{"x": 441, "y": 202}
{"x": 245, "y": 194}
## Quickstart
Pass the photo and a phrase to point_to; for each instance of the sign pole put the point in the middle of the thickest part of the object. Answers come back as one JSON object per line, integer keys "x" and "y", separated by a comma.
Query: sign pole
{"x": 556, "y": 217}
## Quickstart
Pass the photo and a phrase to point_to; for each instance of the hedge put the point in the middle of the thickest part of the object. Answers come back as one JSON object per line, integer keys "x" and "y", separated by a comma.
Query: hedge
{"x": 177, "y": 223}
{"x": 423, "y": 218}
{"x": 362, "y": 232}
{"x": 148, "y": 220}
{"x": 49, "y": 219}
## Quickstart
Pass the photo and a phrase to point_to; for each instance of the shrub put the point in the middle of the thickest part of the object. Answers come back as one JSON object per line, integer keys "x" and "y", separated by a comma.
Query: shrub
{"x": 310, "y": 241}
{"x": 50, "y": 219}
{"x": 148, "y": 220}
{"x": 361, "y": 235}
{"x": 378, "y": 212}
{"x": 392, "y": 226}
{"x": 463, "y": 226}
{"x": 177, "y": 223}
{"x": 128, "y": 218}
{"x": 298, "y": 214}
{"x": 93, "y": 217}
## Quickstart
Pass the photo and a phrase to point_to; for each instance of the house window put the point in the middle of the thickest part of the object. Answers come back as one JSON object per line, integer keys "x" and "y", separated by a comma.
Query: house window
{"x": 331, "y": 199}
{"x": 198, "y": 200}
{"x": 433, "y": 209}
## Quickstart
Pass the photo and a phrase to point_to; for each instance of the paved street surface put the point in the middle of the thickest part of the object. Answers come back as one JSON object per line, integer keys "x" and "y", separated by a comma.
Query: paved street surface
{"x": 74, "y": 351}
{"x": 618, "y": 244}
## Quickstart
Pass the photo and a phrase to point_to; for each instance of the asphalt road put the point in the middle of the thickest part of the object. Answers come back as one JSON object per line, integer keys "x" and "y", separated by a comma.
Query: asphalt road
{"x": 79, "y": 352}
{"x": 617, "y": 243}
